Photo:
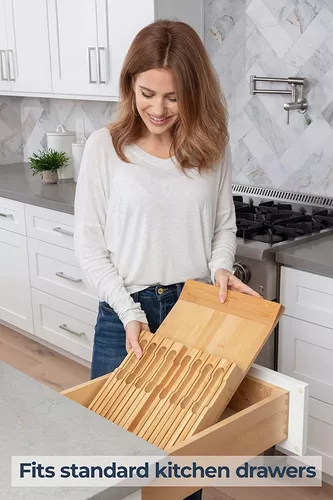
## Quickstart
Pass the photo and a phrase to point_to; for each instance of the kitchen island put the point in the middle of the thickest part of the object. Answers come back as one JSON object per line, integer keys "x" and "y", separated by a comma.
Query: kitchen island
{"x": 37, "y": 421}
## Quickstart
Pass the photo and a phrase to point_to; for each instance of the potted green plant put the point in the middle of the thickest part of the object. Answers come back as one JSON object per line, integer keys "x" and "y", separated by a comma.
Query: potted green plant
{"x": 47, "y": 164}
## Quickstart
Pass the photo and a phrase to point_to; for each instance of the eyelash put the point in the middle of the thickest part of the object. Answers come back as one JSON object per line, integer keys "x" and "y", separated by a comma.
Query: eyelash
{"x": 150, "y": 96}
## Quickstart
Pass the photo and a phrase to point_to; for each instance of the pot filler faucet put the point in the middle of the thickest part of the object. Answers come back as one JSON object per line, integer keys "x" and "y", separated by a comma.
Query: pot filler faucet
{"x": 297, "y": 102}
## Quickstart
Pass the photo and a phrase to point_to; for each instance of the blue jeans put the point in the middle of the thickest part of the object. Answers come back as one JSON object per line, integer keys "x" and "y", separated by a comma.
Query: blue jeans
{"x": 110, "y": 337}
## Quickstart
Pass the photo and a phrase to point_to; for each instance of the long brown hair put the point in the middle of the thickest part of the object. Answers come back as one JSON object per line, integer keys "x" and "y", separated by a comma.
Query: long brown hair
{"x": 200, "y": 135}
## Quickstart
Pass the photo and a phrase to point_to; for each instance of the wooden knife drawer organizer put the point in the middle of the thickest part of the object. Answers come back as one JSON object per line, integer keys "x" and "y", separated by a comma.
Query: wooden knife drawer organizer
{"x": 265, "y": 408}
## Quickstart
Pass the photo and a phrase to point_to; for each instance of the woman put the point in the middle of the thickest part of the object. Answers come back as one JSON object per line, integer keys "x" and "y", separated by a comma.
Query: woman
{"x": 154, "y": 205}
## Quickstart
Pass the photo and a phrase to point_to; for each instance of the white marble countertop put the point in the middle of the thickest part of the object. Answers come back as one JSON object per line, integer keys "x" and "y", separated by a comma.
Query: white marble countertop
{"x": 36, "y": 420}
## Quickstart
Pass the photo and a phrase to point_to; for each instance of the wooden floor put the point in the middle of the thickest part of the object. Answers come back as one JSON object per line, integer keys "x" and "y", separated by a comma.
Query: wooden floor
{"x": 60, "y": 373}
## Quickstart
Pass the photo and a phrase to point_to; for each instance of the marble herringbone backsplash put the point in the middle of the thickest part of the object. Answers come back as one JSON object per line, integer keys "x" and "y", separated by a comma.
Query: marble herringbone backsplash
{"x": 278, "y": 38}
{"x": 11, "y": 139}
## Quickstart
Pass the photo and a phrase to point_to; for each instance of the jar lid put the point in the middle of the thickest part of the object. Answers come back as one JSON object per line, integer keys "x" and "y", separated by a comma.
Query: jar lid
{"x": 60, "y": 130}
{"x": 81, "y": 143}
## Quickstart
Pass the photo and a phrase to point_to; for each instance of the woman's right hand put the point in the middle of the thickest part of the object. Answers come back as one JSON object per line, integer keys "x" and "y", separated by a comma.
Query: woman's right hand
{"x": 133, "y": 330}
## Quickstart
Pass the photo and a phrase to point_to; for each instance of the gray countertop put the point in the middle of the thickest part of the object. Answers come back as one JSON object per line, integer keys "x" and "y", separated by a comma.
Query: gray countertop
{"x": 36, "y": 421}
{"x": 314, "y": 256}
{"x": 17, "y": 183}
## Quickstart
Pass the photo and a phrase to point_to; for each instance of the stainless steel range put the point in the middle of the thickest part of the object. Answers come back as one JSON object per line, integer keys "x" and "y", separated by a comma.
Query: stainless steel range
{"x": 268, "y": 221}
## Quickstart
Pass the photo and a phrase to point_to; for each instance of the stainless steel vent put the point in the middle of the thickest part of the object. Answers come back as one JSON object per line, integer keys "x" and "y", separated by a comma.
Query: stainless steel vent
{"x": 279, "y": 195}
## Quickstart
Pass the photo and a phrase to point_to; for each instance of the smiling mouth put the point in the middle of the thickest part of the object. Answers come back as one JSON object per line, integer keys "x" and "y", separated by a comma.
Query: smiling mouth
{"x": 158, "y": 121}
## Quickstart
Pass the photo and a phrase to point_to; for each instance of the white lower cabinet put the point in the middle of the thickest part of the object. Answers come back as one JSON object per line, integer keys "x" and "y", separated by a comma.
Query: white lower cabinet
{"x": 63, "y": 324}
{"x": 50, "y": 226}
{"x": 56, "y": 271}
{"x": 306, "y": 352}
{"x": 15, "y": 297}
{"x": 42, "y": 288}
{"x": 12, "y": 216}
{"x": 320, "y": 432}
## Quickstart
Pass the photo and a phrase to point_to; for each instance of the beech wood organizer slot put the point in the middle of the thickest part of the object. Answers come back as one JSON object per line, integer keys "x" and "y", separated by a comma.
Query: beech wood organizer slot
{"x": 190, "y": 367}
{"x": 166, "y": 395}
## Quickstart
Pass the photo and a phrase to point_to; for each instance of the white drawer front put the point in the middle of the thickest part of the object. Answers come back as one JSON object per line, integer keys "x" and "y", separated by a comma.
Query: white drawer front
{"x": 15, "y": 298}
{"x": 55, "y": 270}
{"x": 12, "y": 216}
{"x": 307, "y": 296}
{"x": 50, "y": 226}
{"x": 306, "y": 353}
{"x": 320, "y": 433}
{"x": 64, "y": 324}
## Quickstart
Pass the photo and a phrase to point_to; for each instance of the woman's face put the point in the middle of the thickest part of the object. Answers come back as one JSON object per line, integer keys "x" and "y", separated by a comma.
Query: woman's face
{"x": 155, "y": 98}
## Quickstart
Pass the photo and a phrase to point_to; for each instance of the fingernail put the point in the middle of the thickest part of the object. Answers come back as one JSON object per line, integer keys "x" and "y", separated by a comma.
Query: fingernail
{"x": 222, "y": 298}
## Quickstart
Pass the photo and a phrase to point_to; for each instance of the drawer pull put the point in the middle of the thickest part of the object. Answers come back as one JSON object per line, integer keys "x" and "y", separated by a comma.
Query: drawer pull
{"x": 69, "y": 278}
{"x": 5, "y": 215}
{"x": 63, "y": 231}
{"x": 65, "y": 327}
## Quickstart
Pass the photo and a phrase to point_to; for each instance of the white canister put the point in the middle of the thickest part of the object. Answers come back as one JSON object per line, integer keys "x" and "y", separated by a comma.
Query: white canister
{"x": 62, "y": 140}
{"x": 77, "y": 153}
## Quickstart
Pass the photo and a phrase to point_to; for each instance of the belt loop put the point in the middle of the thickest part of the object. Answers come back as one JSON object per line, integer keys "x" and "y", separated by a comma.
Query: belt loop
{"x": 179, "y": 288}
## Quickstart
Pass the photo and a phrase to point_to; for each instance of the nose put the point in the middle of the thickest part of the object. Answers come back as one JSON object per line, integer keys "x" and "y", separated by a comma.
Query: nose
{"x": 158, "y": 108}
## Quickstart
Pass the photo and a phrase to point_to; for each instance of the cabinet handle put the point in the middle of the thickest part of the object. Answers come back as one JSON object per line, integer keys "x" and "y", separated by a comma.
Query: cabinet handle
{"x": 69, "y": 330}
{"x": 99, "y": 64}
{"x": 90, "y": 50}
{"x": 63, "y": 231}
{"x": 2, "y": 65}
{"x": 69, "y": 278}
{"x": 11, "y": 78}
{"x": 5, "y": 215}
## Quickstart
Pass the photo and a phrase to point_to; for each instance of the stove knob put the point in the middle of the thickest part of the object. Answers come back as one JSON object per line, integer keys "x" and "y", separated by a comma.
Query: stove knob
{"x": 242, "y": 272}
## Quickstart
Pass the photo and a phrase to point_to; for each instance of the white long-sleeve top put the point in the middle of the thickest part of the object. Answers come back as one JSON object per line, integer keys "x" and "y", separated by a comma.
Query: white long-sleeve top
{"x": 144, "y": 223}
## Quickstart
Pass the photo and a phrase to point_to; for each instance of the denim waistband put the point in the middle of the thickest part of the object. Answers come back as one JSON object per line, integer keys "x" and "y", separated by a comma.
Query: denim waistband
{"x": 160, "y": 291}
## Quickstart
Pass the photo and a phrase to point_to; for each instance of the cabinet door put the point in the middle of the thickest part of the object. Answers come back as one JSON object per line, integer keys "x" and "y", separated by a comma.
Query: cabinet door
{"x": 4, "y": 77}
{"x": 15, "y": 298}
{"x": 320, "y": 434}
{"x": 28, "y": 46}
{"x": 118, "y": 24}
{"x": 73, "y": 42}
{"x": 306, "y": 353}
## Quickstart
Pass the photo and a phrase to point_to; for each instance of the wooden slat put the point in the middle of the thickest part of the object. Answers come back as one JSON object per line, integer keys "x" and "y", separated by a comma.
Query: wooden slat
{"x": 235, "y": 330}
{"x": 237, "y": 304}
{"x": 84, "y": 393}
{"x": 169, "y": 391}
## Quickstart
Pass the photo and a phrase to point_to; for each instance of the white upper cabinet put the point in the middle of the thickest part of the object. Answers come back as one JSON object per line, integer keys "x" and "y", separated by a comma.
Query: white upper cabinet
{"x": 118, "y": 23}
{"x": 89, "y": 40}
{"x": 73, "y": 42}
{"x": 4, "y": 77}
{"x": 75, "y": 48}
{"x": 27, "y": 51}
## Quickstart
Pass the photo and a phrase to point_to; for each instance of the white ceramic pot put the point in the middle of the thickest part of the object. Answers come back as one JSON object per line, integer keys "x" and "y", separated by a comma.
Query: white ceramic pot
{"x": 77, "y": 153}
{"x": 61, "y": 140}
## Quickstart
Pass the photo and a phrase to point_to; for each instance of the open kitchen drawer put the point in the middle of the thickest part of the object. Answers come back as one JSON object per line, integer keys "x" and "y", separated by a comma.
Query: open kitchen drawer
{"x": 268, "y": 408}
{"x": 264, "y": 408}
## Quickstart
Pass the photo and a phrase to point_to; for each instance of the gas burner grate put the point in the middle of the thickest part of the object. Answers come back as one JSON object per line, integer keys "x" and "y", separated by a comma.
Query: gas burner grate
{"x": 272, "y": 223}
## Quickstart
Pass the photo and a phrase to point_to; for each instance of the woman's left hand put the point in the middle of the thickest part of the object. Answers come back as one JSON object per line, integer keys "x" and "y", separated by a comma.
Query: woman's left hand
{"x": 226, "y": 280}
